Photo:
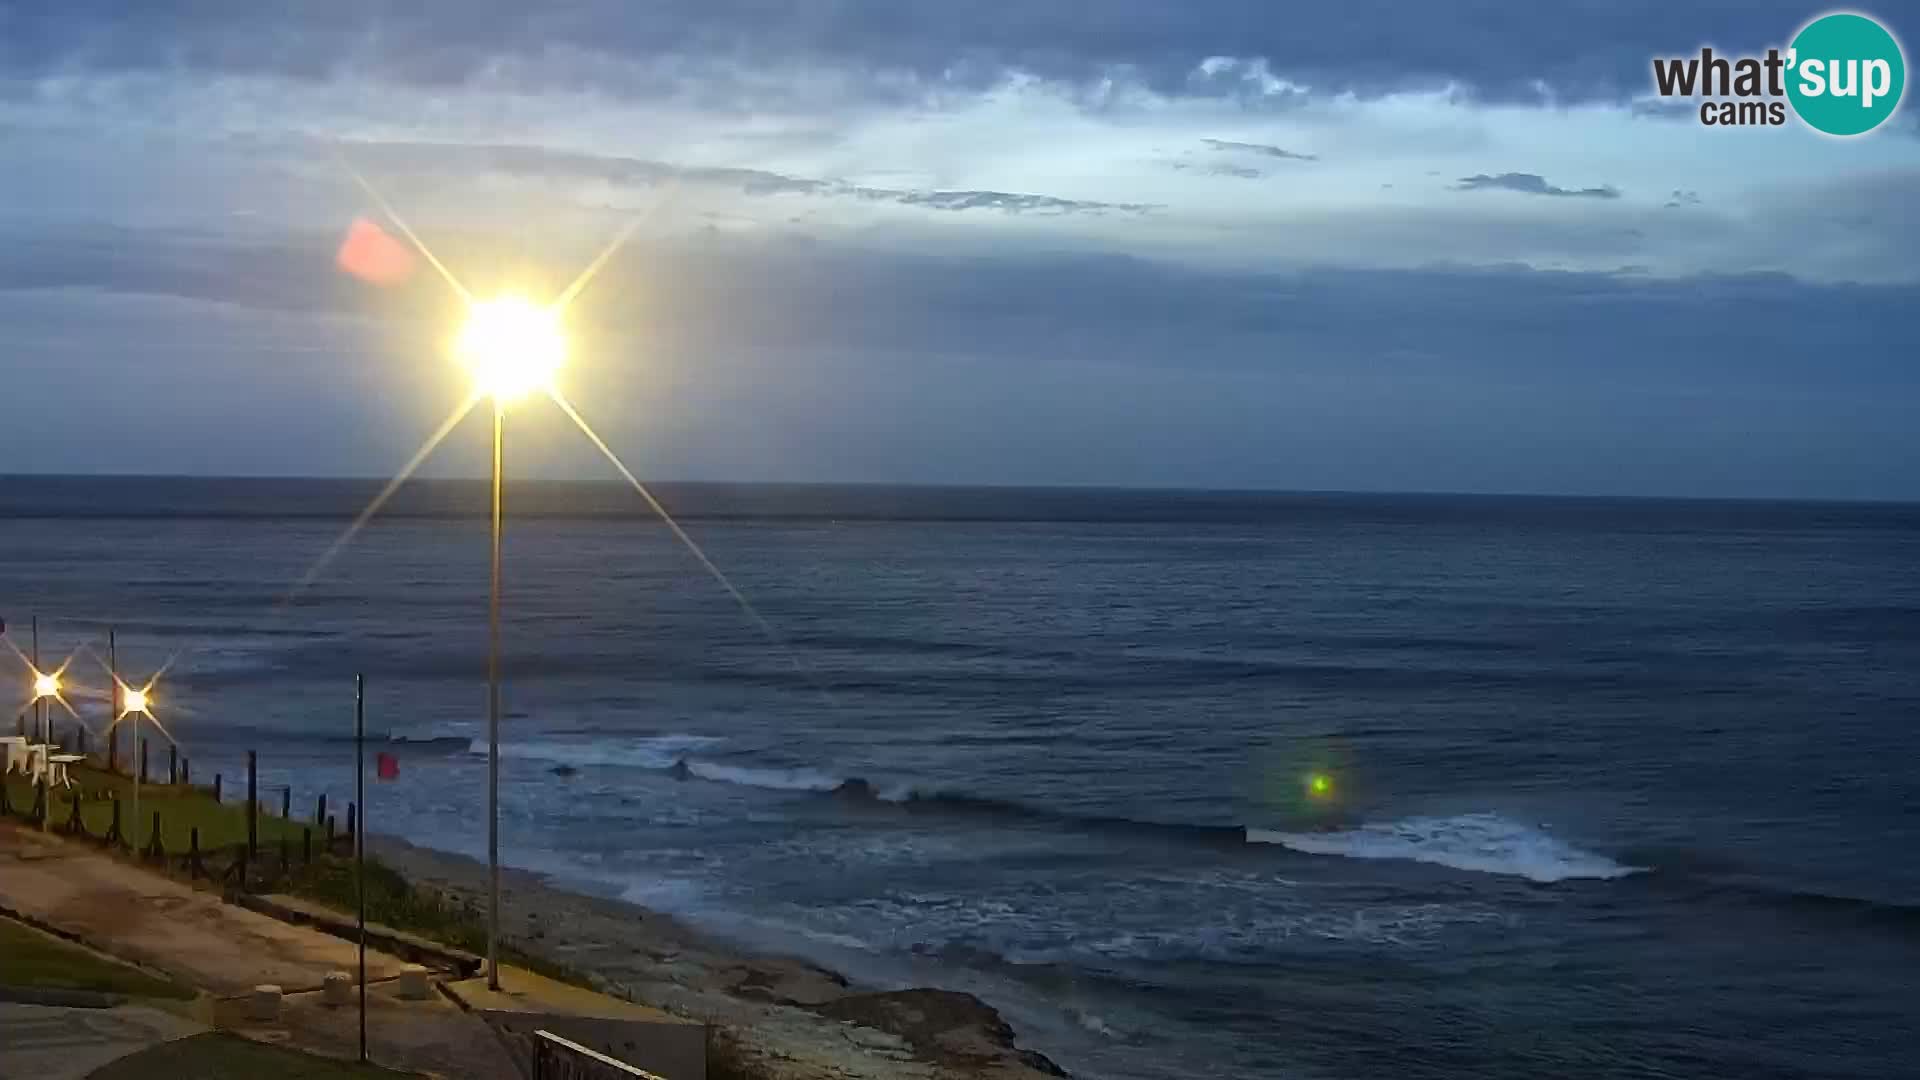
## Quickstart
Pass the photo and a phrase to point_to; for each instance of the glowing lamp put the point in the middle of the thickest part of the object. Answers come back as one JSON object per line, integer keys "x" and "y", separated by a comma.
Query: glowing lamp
{"x": 512, "y": 346}
{"x": 45, "y": 685}
{"x": 1320, "y": 785}
{"x": 134, "y": 700}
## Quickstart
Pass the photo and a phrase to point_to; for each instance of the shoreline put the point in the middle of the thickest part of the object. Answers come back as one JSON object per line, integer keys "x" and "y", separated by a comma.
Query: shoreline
{"x": 778, "y": 1017}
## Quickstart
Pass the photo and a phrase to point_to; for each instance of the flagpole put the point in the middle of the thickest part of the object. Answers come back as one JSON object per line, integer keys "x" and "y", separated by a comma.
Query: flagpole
{"x": 359, "y": 839}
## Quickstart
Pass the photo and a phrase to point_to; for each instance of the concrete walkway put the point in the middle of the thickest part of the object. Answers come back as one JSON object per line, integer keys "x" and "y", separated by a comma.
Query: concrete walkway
{"x": 666, "y": 1046}
{"x": 163, "y": 924}
{"x": 41, "y": 1042}
{"x": 130, "y": 913}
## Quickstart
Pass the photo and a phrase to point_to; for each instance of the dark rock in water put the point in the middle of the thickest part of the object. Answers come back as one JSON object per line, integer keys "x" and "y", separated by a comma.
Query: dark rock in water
{"x": 946, "y": 1027}
{"x": 680, "y": 770}
{"x": 856, "y": 789}
{"x": 564, "y": 770}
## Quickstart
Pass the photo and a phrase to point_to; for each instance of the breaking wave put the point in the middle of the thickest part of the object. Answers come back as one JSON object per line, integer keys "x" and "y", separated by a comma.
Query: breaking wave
{"x": 770, "y": 779}
{"x": 653, "y": 752}
{"x": 1486, "y": 843}
{"x": 1480, "y": 842}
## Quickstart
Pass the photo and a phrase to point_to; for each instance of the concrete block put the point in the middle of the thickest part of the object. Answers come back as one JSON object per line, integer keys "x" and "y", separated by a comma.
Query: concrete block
{"x": 264, "y": 1002}
{"x": 337, "y": 989}
{"x": 413, "y": 982}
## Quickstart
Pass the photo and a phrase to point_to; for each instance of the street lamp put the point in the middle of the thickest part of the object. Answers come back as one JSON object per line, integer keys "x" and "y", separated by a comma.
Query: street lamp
{"x": 512, "y": 347}
{"x": 134, "y": 703}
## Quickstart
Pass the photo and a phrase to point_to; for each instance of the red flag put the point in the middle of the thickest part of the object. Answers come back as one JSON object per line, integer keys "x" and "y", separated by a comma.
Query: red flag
{"x": 386, "y": 766}
{"x": 370, "y": 254}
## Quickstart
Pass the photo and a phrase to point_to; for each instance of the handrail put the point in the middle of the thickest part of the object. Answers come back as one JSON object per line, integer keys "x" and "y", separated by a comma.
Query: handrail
{"x": 595, "y": 1056}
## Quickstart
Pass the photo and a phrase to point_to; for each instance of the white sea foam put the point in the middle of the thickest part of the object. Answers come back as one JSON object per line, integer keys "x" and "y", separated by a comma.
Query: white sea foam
{"x": 771, "y": 779}
{"x": 650, "y": 752}
{"x": 1486, "y": 843}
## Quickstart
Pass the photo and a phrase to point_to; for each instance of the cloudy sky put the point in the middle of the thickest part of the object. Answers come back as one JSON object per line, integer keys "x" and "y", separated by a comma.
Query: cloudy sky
{"x": 1234, "y": 243}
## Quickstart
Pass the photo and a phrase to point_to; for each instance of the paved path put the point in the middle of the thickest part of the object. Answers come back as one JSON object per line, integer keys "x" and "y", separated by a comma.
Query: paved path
{"x": 130, "y": 913}
{"x": 163, "y": 924}
{"x": 42, "y": 1042}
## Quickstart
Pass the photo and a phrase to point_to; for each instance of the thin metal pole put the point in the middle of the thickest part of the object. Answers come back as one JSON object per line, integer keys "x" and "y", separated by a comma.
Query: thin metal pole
{"x": 139, "y": 773}
{"x": 493, "y": 719}
{"x": 39, "y": 702}
{"x": 359, "y": 839}
{"x": 113, "y": 725}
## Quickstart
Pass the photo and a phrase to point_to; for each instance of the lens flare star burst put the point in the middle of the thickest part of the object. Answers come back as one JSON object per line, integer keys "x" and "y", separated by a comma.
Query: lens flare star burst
{"x": 511, "y": 346}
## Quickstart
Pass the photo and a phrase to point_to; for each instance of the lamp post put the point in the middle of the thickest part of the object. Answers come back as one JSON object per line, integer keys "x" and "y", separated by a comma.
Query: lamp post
{"x": 134, "y": 703}
{"x": 512, "y": 347}
{"x": 40, "y": 687}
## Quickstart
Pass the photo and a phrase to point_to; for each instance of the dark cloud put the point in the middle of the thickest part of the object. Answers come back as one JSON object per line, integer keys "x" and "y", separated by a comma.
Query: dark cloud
{"x": 1263, "y": 149}
{"x": 466, "y": 159}
{"x": 1499, "y": 49}
{"x": 1682, "y": 198}
{"x": 1533, "y": 184}
{"x": 830, "y": 363}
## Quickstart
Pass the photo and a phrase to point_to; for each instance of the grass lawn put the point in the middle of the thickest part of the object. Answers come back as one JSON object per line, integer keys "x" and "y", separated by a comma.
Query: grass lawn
{"x": 33, "y": 959}
{"x": 181, "y": 808}
{"x": 215, "y": 1056}
{"x": 393, "y": 901}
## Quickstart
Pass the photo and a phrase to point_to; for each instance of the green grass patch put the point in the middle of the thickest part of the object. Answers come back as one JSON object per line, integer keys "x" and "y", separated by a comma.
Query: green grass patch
{"x": 182, "y": 809}
{"x": 394, "y": 901}
{"x": 33, "y": 959}
{"x": 216, "y": 1056}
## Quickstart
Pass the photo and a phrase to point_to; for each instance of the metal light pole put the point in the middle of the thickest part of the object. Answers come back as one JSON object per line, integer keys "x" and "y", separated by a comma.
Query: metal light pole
{"x": 493, "y": 718}
{"x": 359, "y": 840}
{"x": 113, "y": 707}
{"x": 512, "y": 347}
{"x": 39, "y": 699}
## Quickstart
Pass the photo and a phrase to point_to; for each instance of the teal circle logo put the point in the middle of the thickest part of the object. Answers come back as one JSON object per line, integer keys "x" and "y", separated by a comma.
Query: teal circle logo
{"x": 1845, "y": 74}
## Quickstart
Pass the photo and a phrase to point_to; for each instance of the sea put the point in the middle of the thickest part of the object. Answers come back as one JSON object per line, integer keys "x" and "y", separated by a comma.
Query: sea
{"x": 1187, "y": 784}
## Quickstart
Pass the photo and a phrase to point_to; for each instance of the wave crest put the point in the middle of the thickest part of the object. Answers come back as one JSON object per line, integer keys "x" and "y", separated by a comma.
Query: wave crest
{"x": 1485, "y": 843}
{"x": 653, "y": 752}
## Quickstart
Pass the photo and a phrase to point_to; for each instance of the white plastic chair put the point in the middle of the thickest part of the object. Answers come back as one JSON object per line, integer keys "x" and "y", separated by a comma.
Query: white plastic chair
{"x": 57, "y": 773}
{"x": 13, "y": 753}
{"x": 37, "y": 761}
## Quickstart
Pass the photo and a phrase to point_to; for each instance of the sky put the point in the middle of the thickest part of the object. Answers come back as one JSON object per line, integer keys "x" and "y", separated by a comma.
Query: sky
{"x": 1371, "y": 245}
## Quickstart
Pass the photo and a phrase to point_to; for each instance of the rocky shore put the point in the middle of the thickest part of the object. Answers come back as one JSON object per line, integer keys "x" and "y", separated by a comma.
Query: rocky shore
{"x": 777, "y": 1018}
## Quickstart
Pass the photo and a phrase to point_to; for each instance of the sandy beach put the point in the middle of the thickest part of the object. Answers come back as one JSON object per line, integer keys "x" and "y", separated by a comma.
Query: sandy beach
{"x": 779, "y": 1018}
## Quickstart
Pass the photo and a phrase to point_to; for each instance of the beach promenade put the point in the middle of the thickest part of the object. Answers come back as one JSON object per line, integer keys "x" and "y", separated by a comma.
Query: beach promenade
{"x": 224, "y": 952}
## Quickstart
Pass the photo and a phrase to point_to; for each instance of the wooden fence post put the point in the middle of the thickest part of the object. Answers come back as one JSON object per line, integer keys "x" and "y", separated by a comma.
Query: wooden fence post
{"x": 143, "y": 761}
{"x": 253, "y": 808}
{"x": 286, "y": 803}
{"x": 186, "y": 771}
{"x": 216, "y": 787}
{"x": 173, "y": 764}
